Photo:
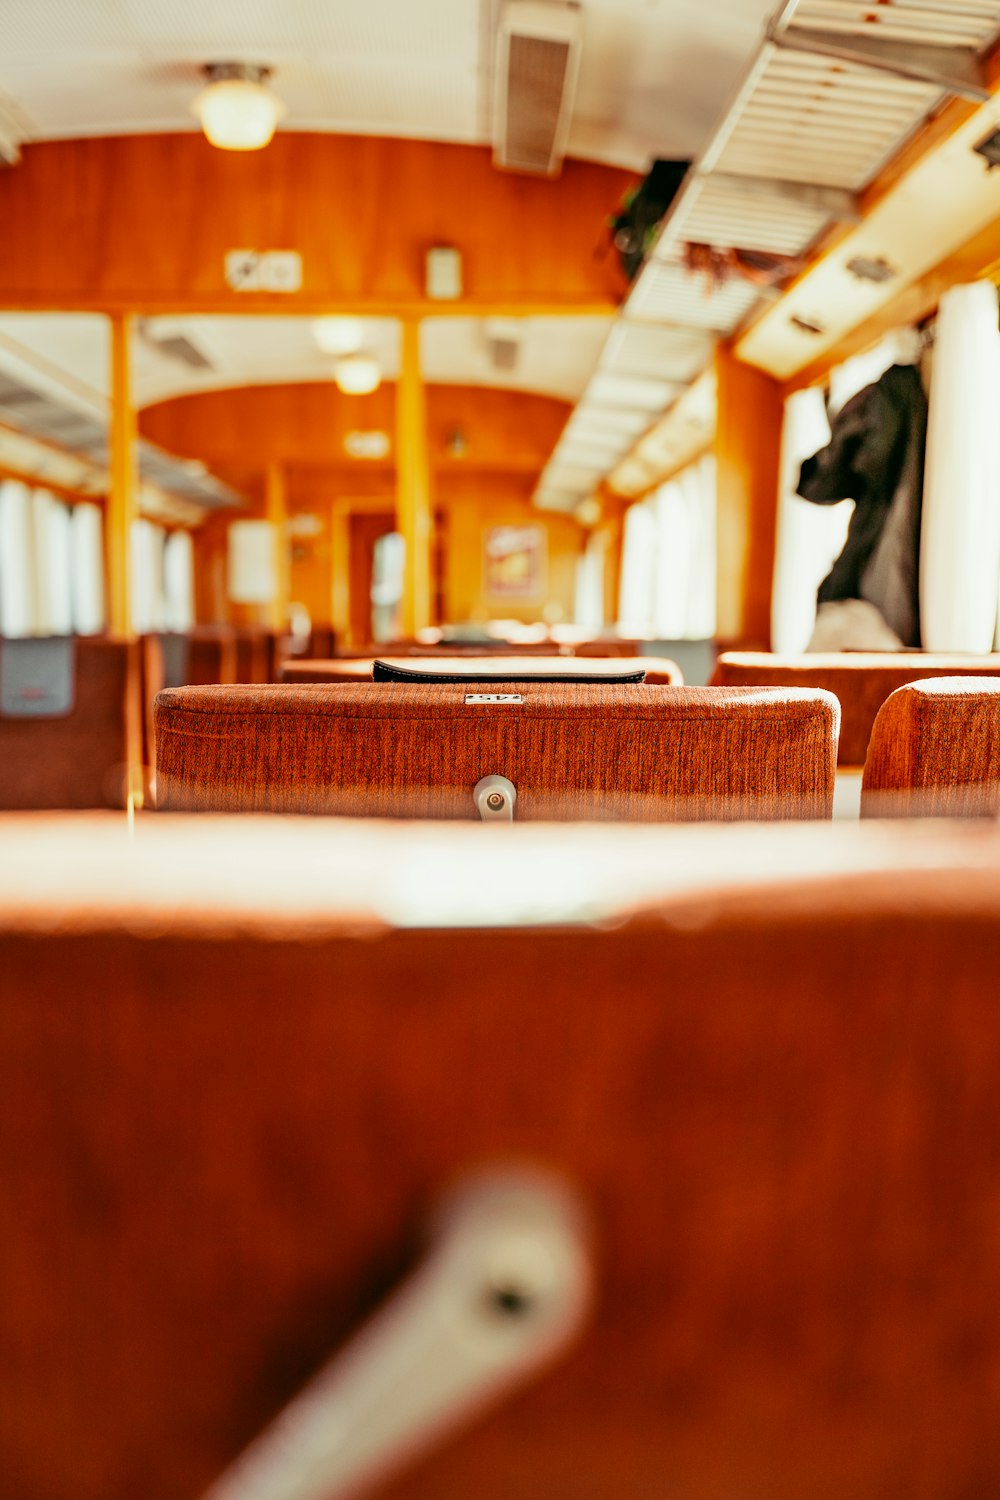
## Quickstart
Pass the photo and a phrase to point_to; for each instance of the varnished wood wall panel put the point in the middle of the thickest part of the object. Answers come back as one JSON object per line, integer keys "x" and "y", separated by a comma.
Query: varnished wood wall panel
{"x": 146, "y": 221}
{"x": 470, "y": 510}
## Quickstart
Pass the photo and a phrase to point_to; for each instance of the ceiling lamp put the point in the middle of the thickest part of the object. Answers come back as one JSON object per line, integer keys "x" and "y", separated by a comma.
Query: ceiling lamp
{"x": 357, "y": 374}
{"x": 238, "y": 112}
{"x": 339, "y": 335}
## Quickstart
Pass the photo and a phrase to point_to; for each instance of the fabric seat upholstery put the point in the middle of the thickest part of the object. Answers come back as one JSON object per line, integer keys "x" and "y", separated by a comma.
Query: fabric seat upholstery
{"x": 572, "y": 751}
{"x": 862, "y": 680}
{"x": 935, "y": 751}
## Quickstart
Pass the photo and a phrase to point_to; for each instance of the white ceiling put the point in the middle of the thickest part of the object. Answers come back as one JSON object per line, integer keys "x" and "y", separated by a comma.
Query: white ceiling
{"x": 67, "y": 354}
{"x": 655, "y": 74}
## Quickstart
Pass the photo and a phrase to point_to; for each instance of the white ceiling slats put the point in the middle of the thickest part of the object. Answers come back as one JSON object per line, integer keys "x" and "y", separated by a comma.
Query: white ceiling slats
{"x": 667, "y": 292}
{"x": 836, "y": 89}
{"x": 959, "y": 25}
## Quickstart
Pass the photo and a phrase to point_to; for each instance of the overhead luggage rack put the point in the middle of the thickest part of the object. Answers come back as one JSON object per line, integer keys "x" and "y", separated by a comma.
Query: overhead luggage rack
{"x": 836, "y": 90}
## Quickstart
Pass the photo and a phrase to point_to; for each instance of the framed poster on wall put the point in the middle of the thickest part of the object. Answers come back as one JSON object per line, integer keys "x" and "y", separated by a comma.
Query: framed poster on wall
{"x": 514, "y": 562}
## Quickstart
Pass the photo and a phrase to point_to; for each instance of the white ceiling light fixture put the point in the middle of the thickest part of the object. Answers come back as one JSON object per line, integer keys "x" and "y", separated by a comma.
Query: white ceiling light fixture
{"x": 339, "y": 335}
{"x": 357, "y": 374}
{"x": 237, "y": 110}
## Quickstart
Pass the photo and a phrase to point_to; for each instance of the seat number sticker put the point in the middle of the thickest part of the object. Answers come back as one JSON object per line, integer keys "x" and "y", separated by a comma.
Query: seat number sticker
{"x": 493, "y": 697}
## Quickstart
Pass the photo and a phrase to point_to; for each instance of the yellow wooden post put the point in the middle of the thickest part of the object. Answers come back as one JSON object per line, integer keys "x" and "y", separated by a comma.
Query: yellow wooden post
{"x": 122, "y": 498}
{"x": 122, "y": 511}
{"x": 340, "y": 570}
{"x": 276, "y": 508}
{"x": 413, "y": 499}
{"x": 748, "y": 447}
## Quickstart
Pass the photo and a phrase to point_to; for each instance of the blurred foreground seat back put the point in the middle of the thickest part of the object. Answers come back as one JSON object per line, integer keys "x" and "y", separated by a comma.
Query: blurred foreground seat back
{"x": 935, "y": 751}
{"x": 591, "y": 750}
{"x": 65, "y": 706}
{"x": 230, "y": 1088}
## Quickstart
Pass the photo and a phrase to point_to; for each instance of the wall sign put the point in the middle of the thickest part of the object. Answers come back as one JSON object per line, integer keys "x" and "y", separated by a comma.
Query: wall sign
{"x": 263, "y": 270}
{"x": 514, "y": 562}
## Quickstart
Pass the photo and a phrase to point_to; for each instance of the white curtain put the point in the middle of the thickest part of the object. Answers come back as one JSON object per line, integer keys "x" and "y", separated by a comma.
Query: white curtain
{"x": 697, "y": 500}
{"x": 51, "y": 564}
{"x": 87, "y": 584}
{"x": 52, "y": 556}
{"x": 669, "y": 558}
{"x": 673, "y": 552}
{"x": 36, "y": 539}
{"x": 148, "y": 595}
{"x": 17, "y": 571}
{"x": 960, "y": 531}
{"x": 638, "y": 573}
{"x": 809, "y": 537}
{"x": 588, "y": 605}
{"x": 178, "y": 581}
{"x": 684, "y": 591}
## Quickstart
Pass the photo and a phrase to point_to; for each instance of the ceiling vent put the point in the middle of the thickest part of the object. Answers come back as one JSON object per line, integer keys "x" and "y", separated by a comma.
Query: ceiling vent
{"x": 537, "y": 61}
{"x": 174, "y": 345}
{"x": 503, "y": 342}
{"x": 14, "y": 129}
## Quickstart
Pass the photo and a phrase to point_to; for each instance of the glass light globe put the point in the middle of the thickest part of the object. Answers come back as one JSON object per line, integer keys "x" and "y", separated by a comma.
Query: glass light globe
{"x": 357, "y": 374}
{"x": 238, "y": 114}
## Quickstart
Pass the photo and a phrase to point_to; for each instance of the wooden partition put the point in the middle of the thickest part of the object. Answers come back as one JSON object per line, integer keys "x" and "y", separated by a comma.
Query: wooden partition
{"x": 146, "y": 222}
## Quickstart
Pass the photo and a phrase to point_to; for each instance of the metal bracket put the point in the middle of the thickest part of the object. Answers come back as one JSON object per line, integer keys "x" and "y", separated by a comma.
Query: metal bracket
{"x": 495, "y": 798}
{"x": 503, "y": 1292}
{"x": 956, "y": 69}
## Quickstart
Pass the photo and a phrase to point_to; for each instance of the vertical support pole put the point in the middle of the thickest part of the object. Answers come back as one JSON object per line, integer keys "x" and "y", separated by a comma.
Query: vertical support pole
{"x": 748, "y": 449}
{"x": 121, "y": 512}
{"x": 413, "y": 499}
{"x": 122, "y": 499}
{"x": 276, "y": 508}
{"x": 340, "y": 570}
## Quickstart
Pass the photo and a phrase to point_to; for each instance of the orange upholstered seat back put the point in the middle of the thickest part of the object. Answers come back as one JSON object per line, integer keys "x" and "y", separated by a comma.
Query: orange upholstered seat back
{"x": 862, "y": 680}
{"x": 78, "y": 758}
{"x": 935, "y": 751}
{"x": 183, "y": 658}
{"x": 572, "y": 751}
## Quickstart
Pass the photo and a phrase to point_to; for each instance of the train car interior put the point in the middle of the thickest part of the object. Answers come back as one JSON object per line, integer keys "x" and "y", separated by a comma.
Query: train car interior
{"x": 580, "y": 417}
